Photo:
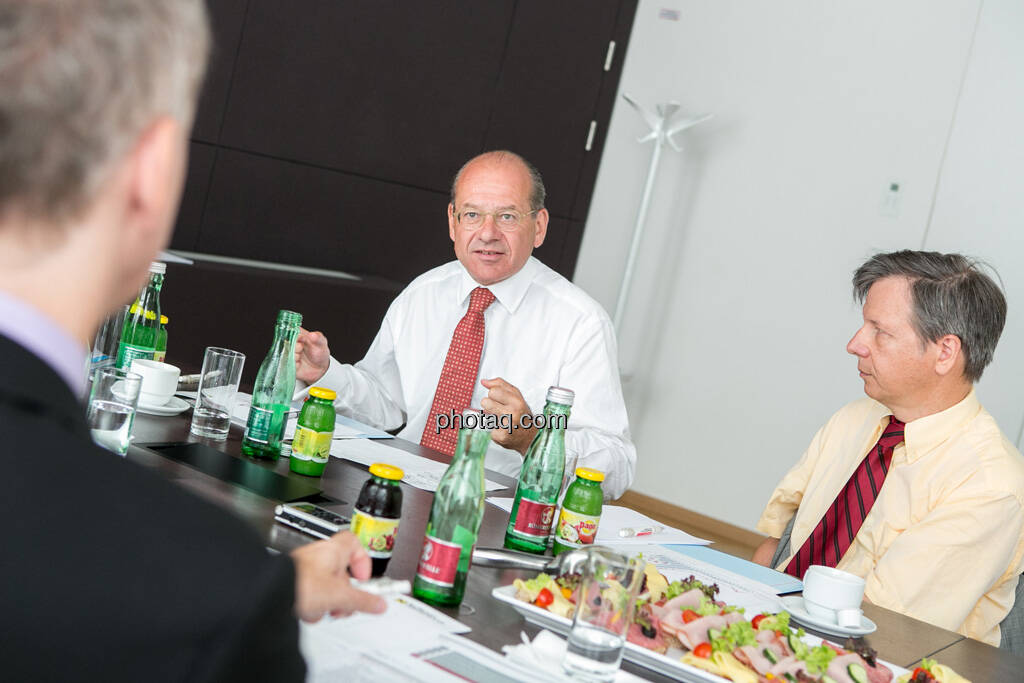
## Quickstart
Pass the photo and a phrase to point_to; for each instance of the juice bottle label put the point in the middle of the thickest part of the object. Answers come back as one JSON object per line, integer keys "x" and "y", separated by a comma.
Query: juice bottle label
{"x": 439, "y": 561}
{"x": 534, "y": 519}
{"x": 312, "y": 445}
{"x": 575, "y": 529}
{"x": 377, "y": 534}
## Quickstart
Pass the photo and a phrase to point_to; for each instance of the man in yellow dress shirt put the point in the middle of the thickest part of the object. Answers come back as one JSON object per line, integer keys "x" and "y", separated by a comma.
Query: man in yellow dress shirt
{"x": 943, "y": 541}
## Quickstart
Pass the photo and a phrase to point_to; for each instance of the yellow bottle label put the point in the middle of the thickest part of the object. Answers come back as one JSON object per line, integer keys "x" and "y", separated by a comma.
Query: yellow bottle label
{"x": 311, "y": 445}
{"x": 377, "y": 534}
{"x": 575, "y": 529}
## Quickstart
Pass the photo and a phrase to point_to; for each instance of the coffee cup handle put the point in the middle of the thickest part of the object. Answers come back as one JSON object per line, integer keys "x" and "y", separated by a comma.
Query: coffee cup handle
{"x": 849, "y": 618}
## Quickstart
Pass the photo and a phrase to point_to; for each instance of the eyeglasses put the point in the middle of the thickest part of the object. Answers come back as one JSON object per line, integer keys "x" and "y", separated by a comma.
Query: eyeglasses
{"x": 507, "y": 220}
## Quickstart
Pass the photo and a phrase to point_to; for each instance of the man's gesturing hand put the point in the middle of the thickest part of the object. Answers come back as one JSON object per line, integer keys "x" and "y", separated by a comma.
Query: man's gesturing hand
{"x": 505, "y": 399}
{"x": 312, "y": 356}
{"x": 322, "y": 585}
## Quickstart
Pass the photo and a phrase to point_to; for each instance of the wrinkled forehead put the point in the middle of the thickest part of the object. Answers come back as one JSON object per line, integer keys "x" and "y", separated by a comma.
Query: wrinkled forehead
{"x": 490, "y": 184}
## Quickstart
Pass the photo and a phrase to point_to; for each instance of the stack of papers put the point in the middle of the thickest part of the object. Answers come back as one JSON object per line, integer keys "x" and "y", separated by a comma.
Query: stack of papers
{"x": 420, "y": 472}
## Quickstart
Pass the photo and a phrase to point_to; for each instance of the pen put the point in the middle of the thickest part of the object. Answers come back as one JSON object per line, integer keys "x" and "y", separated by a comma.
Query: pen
{"x": 629, "y": 532}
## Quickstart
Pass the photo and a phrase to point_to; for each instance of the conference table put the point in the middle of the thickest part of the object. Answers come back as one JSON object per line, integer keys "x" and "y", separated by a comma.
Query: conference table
{"x": 899, "y": 639}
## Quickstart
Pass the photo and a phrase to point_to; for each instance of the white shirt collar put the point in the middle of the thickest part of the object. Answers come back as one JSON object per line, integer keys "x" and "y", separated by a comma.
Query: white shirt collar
{"x": 509, "y": 292}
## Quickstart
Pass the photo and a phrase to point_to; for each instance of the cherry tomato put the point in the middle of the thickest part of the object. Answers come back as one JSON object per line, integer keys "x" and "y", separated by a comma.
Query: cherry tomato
{"x": 756, "y": 621}
{"x": 544, "y": 598}
{"x": 689, "y": 615}
{"x": 703, "y": 650}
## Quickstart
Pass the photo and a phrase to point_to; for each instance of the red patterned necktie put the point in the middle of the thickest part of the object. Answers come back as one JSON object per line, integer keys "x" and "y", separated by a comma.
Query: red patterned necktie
{"x": 458, "y": 376}
{"x": 837, "y": 529}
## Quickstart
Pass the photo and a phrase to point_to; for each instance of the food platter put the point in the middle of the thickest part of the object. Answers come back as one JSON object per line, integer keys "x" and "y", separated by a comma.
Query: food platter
{"x": 667, "y": 664}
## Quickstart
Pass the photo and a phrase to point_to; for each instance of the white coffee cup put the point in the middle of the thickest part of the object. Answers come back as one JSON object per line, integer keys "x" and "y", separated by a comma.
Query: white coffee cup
{"x": 159, "y": 381}
{"x": 829, "y": 592}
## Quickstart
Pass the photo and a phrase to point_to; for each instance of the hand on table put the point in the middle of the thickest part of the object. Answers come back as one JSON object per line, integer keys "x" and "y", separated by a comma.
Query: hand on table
{"x": 322, "y": 585}
{"x": 505, "y": 399}
{"x": 312, "y": 356}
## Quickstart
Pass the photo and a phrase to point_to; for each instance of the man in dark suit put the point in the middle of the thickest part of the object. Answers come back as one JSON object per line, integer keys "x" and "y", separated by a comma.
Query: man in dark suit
{"x": 108, "y": 572}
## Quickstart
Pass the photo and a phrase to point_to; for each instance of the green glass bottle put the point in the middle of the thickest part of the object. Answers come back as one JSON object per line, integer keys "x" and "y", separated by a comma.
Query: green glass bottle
{"x": 581, "y": 511}
{"x": 272, "y": 393}
{"x": 138, "y": 336}
{"x": 314, "y": 433}
{"x": 455, "y": 519}
{"x": 540, "y": 480}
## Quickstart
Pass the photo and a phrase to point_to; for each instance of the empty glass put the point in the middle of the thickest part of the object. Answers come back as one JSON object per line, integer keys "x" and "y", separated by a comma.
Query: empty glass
{"x": 608, "y": 592}
{"x": 112, "y": 403}
{"x": 218, "y": 385}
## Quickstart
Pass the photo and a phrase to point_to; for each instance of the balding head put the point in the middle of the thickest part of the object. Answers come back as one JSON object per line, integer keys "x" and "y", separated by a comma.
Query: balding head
{"x": 538, "y": 194}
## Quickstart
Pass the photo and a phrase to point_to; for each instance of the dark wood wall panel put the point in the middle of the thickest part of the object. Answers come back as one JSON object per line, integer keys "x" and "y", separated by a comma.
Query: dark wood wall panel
{"x": 227, "y": 18}
{"x": 393, "y": 90}
{"x": 215, "y": 305}
{"x": 193, "y": 200}
{"x": 321, "y": 218}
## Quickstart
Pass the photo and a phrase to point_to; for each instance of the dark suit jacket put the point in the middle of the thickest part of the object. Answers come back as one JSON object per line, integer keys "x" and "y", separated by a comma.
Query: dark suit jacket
{"x": 110, "y": 573}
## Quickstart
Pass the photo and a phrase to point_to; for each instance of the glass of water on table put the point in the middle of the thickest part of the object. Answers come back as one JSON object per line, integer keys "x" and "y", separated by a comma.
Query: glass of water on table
{"x": 604, "y": 610}
{"x": 112, "y": 403}
{"x": 218, "y": 386}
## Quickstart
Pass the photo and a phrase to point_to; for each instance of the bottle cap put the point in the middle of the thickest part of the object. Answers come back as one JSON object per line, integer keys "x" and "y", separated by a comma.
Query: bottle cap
{"x": 321, "y": 392}
{"x": 561, "y": 395}
{"x": 589, "y": 474}
{"x": 164, "y": 320}
{"x": 158, "y": 268}
{"x": 384, "y": 471}
{"x": 289, "y": 318}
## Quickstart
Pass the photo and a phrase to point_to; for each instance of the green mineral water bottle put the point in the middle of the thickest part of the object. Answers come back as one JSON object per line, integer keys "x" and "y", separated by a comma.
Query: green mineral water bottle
{"x": 540, "y": 480}
{"x": 138, "y": 336}
{"x": 455, "y": 519}
{"x": 314, "y": 433}
{"x": 581, "y": 511}
{"x": 272, "y": 393}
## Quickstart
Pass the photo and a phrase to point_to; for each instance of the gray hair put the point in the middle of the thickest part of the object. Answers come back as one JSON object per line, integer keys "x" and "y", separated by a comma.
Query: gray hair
{"x": 537, "y": 192}
{"x": 79, "y": 82}
{"x": 950, "y": 295}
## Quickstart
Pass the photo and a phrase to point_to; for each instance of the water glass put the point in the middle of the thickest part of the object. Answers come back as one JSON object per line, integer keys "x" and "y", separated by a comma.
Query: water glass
{"x": 218, "y": 386}
{"x": 112, "y": 403}
{"x": 608, "y": 591}
{"x": 105, "y": 344}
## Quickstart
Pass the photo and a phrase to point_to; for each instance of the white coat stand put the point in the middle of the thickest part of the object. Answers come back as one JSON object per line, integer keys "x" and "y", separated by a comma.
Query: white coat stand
{"x": 662, "y": 130}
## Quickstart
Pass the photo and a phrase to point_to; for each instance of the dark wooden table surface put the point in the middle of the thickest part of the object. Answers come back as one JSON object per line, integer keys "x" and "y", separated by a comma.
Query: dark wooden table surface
{"x": 899, "y": 639}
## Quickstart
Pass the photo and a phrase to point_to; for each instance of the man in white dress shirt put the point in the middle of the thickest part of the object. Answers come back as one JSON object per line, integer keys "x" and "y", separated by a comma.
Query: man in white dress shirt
{"x": 539, "y": 330}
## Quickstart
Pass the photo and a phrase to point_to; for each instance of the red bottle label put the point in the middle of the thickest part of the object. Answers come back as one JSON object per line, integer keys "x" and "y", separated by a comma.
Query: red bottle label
{"x": 534, "y": 518}
{"x": 439, "y": 561}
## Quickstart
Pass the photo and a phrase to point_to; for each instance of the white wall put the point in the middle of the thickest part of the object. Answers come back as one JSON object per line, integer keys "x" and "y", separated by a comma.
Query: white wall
{"x": 734, "y": 344}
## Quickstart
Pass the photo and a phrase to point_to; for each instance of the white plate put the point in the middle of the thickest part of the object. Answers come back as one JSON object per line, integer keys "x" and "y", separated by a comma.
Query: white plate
{"x": 667, "y": 664}
{"x": 172, "y": 407}
{"x": 795, "y": 606}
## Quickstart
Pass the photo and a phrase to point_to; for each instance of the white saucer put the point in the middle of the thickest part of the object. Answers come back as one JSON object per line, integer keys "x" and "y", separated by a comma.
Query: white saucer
{"x": 795, "y": 606}
{"x": 172, "y": 407}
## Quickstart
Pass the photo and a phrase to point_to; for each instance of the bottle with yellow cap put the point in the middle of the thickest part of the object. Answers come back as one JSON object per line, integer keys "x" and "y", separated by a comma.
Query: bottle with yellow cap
{"x": 377, "y": 514}
{"x": 161, "y": 340}
{"x": 581, "y": 511}
{"x": 138, "y": 336}
{"x": 314, "y": 433}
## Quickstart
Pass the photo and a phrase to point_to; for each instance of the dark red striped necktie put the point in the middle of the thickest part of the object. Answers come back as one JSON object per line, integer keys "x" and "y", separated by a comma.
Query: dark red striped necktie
{"x": 841, "y": 522}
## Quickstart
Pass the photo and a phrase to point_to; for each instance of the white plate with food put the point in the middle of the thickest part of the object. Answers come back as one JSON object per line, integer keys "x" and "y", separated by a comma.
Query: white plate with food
{"x": 689, "y": 620}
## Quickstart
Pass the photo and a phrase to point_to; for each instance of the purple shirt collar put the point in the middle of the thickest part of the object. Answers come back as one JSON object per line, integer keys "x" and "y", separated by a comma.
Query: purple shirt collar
{"x": 41, "y": 335}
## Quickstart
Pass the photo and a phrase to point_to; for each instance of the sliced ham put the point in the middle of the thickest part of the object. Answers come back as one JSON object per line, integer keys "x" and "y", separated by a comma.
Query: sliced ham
{"x": 636, "y": 636}
{"x": 789, "y": 665}
{"x": 752, "y": 656}
{"x": 688, "y": 600}
{"x": 775, "y": 642}
{"x": 696, "y": 632}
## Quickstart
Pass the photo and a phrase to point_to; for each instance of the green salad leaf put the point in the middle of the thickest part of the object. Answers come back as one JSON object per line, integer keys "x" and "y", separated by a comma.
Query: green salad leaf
{"x": 735, "y": 635}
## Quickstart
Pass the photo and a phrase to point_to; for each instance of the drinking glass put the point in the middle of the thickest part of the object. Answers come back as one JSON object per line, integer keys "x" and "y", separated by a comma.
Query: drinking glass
{"x": 104, "y": 345}
{"x": 218, "y": 385}
{"x": 112, "y": 403}
{"x": 608, "y": 591}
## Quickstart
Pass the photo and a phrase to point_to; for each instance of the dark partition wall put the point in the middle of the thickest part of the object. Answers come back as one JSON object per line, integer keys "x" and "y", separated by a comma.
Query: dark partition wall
{"x": 328, "y": 132}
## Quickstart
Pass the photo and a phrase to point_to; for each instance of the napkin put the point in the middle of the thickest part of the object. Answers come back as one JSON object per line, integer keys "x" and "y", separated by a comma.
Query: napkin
{"x": 546, "y": 653}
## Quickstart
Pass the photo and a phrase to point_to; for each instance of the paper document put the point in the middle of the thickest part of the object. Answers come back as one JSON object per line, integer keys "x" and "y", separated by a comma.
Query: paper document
{"x": 615, "y": 517}
{"x": 420, "y": 472}
{"x": 344, "y": 427}
{"x": 734, "y": 589}
{"x": 779, "y": 582}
